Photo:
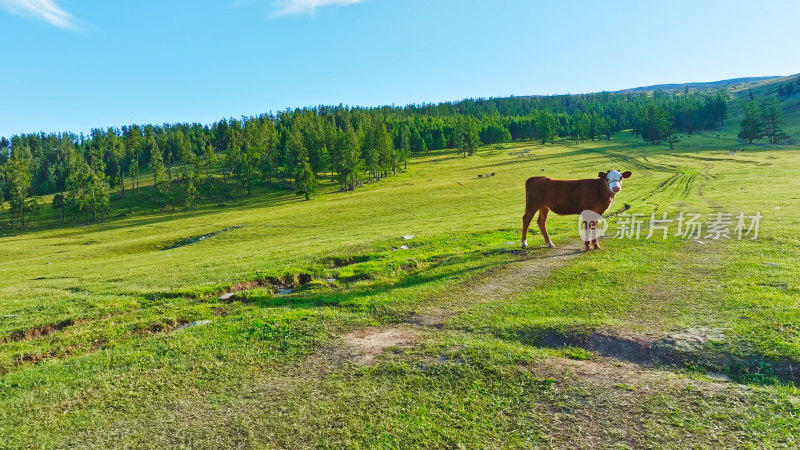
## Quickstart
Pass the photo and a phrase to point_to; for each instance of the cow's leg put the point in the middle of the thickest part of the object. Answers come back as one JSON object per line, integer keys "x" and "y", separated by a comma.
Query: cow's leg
{"x": 595, "y": 244}
{"x": 542, "y": 221}
{"x": 526, "y": 222}
{"x": 588, "y": 239}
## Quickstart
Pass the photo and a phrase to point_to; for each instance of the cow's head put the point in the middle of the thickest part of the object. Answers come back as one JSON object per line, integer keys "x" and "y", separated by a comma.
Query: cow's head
{"x": 613, "y": 179}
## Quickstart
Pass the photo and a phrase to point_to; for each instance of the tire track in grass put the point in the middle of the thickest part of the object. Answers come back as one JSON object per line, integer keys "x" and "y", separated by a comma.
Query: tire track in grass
{"x": 663, "y": 186}
{"x": 634, "y": 163}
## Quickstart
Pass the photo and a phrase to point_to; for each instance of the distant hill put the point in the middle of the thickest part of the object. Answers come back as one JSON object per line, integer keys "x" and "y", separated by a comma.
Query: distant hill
{"x": 735, "y": 84}
{"x": 696, "y": 86}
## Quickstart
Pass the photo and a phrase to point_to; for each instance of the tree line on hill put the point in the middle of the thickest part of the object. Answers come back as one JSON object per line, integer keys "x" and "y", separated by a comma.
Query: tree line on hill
{"x": 188, "y": 163}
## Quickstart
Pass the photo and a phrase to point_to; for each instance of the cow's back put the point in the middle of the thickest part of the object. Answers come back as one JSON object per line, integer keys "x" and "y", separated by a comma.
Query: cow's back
{"x": 561, "y": 196}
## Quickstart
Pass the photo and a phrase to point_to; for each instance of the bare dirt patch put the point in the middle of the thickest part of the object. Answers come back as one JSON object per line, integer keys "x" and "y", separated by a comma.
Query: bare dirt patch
{"x": 37, "y": 332}
{"x": 36, "y": 358}
{"x": 365, "y": 344}
{"x": 690, "y": 339}
{"x": 619, "y": 374}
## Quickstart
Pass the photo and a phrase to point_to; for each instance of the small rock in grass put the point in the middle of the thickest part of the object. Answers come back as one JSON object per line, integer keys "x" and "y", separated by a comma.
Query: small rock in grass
{"x": 509, "y": 243}
{"x": 195, "y": 324}
{"x": 331, "y": 280}
{"x": 227, "y": 297}
{"x": 773, "y": 264}
{"x": 408, "y": 236}
{"x": 718, "y": 376}
{"x": 403, "y": 247}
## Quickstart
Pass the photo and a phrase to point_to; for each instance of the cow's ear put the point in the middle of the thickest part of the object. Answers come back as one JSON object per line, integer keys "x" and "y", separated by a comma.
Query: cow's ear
{"x": 626, "y": 174}
{"x": 602, "y": 174}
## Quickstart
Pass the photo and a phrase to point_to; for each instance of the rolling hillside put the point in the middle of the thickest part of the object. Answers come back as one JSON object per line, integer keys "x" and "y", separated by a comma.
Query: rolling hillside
{"x": 405, "y": 314}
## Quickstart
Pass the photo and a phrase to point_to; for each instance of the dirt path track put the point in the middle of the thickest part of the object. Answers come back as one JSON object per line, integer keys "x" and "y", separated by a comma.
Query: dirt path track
{"x": 363, "y": 345}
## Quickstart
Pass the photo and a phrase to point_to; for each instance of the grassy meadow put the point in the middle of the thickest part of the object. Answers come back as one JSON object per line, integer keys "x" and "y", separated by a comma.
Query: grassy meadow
{"x": 337, "y": 336}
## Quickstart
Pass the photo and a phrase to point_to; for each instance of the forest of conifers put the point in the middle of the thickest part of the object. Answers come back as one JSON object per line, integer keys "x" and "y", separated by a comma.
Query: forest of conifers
{"x": 184, "y": 164}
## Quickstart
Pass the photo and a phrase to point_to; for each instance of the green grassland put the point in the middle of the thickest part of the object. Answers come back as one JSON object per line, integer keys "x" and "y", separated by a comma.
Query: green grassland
{"x": 501, "y": 347}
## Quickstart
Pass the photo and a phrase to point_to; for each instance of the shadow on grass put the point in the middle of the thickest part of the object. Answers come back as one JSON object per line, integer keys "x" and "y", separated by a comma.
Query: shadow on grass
{"x": 356, "y": 299}
{"x": 155, "y": 218}
{"x": 743, "y": 367}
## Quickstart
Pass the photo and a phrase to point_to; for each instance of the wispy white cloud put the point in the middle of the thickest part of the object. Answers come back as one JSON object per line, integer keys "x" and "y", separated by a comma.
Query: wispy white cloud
{"x": 46, "y": 10}
{"x": 289, "y": 7}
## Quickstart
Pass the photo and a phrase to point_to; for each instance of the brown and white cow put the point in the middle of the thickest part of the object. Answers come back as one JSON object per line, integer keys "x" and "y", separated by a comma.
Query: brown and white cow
{"x": 568, "y": 197}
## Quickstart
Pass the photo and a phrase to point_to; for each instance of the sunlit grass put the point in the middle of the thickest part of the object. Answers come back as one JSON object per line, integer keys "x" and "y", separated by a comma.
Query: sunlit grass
{"x": 123, "y": 372}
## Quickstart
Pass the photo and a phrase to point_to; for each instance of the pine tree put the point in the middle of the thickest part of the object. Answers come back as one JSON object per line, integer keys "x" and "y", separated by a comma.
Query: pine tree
{"x": 77, "y": 184}
{"x": 268, "y": 156}
{"x": 32, "y": 206}
{"x": 209, "y": 158}
{"x": 369, "y": 152}
{"x": 772, "y": 120}
{"x": 60, "y": 204}
{"x": 495, "y": 133}
{"x": 580, "y": 128}
{"x": 418, "y": 144}
{"x": 654, "y": 125}
{"x": 233, "y": 159}
{"x": 383, "y": 148}
{"x": 545, "y": 127}
{"x": 156, "y": 164}
{"x": 186, "y": 153}
{"x": 324, "y": 159}
{"x": 134, "y": 144}
{"x": 115, "y": 153}
{"x": 752, "y": 128}
{"x": 20, "y": 179}
{"x": 467, "y": 138}
{"x": 348, "y": 163}
{"x": 252, "y": 154}
{"x": 190, "y": 195}
{"x": 99, "y": 196}
{"x": 294, "y": 147}
{"x": 405, "y": 145}
{"x": 304, "y": 179}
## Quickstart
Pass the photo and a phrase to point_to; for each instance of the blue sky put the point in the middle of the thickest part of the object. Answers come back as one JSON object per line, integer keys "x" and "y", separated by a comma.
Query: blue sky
{"x": 79, "y": 64}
